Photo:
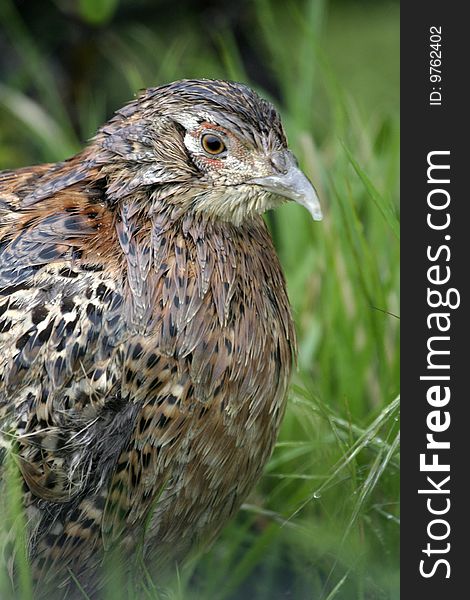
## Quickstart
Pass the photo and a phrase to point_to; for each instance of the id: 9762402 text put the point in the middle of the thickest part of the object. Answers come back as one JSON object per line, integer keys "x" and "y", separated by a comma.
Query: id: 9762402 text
{"x": 435, "y": 62}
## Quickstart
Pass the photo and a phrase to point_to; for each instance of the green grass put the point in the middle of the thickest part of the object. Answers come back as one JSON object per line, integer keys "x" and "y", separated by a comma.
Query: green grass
{"x": 323, "y": 523}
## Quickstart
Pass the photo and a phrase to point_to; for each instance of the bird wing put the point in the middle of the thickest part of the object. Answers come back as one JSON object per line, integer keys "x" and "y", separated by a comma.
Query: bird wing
{"x": 96, "y": 411}
{"x": 60, "y": 330}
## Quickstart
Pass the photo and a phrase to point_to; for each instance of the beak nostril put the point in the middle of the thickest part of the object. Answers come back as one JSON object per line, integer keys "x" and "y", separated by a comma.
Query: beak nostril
{"x": 279, "y": 162}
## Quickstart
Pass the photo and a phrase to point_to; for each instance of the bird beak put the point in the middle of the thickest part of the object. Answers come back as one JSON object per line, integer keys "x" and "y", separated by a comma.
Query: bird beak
{"x": 293, "y": 184}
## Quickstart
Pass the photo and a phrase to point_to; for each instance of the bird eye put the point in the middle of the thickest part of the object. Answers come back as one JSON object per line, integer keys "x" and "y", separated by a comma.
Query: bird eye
{"x": 212, "y": 144}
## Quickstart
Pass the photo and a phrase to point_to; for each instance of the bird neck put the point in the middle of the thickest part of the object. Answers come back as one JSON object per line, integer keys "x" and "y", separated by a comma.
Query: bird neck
{"x": 185, "y": 255}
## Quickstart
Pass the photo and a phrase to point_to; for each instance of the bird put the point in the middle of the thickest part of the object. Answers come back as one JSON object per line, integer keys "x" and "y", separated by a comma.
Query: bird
{"x": 146, "y": 335}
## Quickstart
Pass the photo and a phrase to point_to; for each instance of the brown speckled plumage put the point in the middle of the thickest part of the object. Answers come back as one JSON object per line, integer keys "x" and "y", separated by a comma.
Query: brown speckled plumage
{"x": 146, "y": 339}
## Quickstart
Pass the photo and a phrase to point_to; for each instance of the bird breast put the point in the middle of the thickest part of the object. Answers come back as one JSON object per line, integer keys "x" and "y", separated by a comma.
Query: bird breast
{"x": 213, "y": 394}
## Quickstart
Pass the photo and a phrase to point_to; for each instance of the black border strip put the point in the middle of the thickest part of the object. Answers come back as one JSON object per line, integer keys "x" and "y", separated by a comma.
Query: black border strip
{"x": 427, "y": 128}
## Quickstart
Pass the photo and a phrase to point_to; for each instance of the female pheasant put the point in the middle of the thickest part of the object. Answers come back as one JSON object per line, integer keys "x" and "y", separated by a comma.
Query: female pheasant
{"x": 146, "y": 339}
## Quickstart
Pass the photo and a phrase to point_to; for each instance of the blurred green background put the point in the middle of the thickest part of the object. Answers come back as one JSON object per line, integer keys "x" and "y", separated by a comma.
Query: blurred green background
{"x": 324, "y": 521}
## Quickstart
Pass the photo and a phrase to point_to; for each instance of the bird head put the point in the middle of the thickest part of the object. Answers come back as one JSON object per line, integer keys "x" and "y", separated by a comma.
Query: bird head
{"x": 214, "y": 147}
